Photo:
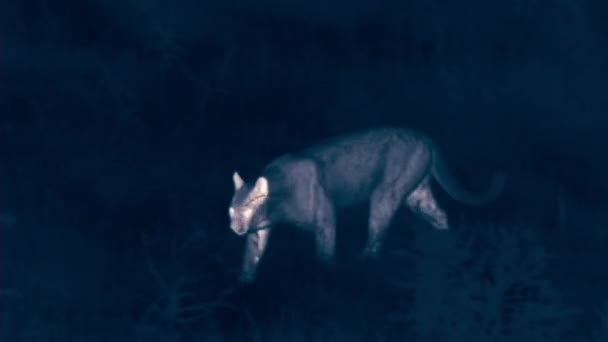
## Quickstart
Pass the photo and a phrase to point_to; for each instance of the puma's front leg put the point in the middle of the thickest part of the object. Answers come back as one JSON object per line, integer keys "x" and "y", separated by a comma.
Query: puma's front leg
{"x": 325, "y": 227}
{"x": 255, "y": 245}
{"x": 325, "y": 239}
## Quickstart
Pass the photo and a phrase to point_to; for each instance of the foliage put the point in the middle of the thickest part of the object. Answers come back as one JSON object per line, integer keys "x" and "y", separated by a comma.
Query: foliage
{"x": 114, "y": 113}
{"x": 487, "y": 284}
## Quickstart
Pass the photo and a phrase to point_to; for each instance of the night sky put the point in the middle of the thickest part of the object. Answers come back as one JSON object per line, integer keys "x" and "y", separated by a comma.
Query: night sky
{"x": 122, "y": 122}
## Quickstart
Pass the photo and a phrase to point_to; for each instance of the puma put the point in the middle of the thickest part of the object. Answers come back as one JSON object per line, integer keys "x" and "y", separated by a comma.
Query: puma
{"x": 387, "y": 167}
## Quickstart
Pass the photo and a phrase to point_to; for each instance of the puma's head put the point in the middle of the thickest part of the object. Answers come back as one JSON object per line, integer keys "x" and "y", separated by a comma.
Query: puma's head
{"x": 246, "y": 214}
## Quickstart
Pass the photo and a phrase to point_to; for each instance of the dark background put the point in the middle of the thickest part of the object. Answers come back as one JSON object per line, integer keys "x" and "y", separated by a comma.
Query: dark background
{"x": 121, "y": 123}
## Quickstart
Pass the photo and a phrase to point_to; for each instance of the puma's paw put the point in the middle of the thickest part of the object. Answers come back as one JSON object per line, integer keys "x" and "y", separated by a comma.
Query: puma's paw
{"x": 369, "y": 253}
{"x": 326, "y": 260}
{"x": 246, "y": 278}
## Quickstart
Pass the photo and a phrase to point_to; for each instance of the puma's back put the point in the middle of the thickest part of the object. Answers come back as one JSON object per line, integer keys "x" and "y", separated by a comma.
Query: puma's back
{"x": 349, "y": 167}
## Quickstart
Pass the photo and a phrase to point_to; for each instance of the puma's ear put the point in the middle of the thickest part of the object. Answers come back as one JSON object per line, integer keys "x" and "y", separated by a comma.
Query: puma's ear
{"x": 261, "y": 187}
{"x": 238, "y": 181}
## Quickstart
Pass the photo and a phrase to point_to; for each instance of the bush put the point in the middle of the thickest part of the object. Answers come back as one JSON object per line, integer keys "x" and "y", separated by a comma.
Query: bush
{"x": 484, "y": 284}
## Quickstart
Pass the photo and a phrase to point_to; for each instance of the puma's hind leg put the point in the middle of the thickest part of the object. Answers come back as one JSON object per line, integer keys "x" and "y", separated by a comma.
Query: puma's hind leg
{"x": 422, "y": 202}
{"x": 390, "y": 194}
{"x": 384, "y": 203}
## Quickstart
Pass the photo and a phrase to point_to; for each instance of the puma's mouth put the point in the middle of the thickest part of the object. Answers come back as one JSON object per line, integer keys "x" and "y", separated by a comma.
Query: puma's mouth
{"x": 262, "y": 226}
{"x": 240, "y": 232}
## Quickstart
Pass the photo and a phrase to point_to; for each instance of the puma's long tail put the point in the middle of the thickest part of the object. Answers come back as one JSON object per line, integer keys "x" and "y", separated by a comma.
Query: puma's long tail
{"x": 447, "y": 181}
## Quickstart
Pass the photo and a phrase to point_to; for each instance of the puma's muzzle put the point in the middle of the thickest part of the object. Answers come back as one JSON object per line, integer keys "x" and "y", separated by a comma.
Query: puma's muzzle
{"x": 240, "y": 219}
